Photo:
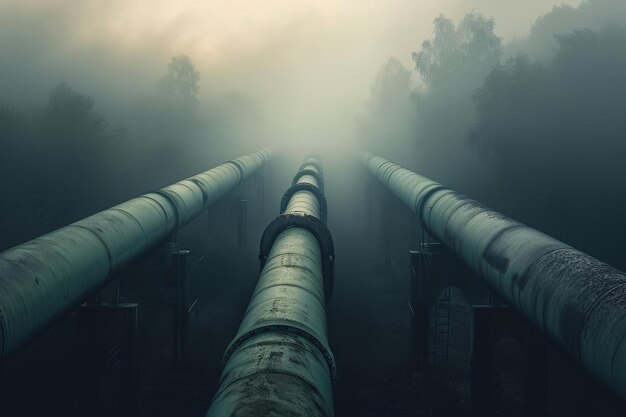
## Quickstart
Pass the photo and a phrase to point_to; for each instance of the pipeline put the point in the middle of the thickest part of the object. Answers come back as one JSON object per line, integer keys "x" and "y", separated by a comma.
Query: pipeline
{"x": 279, "y": 363}
{"x": 46, "y": 277}
{"x": 577, "y": 301}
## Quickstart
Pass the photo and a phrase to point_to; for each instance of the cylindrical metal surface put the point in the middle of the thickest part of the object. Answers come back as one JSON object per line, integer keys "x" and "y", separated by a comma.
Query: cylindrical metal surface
{"x": 279, "y": 363}
{"x": 574, "y": 299}
{"x": 44, "y": 278}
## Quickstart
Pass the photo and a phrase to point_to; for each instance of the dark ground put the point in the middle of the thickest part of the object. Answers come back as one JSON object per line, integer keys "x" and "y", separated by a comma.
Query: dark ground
{"x": 368, "y": 323}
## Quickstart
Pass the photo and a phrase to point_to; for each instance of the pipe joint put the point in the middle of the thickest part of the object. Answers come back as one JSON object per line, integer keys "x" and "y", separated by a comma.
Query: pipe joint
{"x": 310, "y": 188}
{"x": 312, "y": 162}
{"x": 317, "y": 228}
{"x": 240, "y": 168}
{"x": 288, "y": 328}
{"x": 307, "y": 171}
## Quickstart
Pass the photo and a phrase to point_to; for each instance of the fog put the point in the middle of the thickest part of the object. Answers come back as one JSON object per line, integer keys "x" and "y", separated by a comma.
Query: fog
{"x": 282, "y": 56}
{"x": 518, "y": 104}
{"x": 294, "y": 75}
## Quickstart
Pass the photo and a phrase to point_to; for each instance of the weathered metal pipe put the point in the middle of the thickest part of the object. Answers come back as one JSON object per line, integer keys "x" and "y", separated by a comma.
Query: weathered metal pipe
{"x": 574, "y": 299}
{"x": 44, "y": 278}
{"x": 279, "y": 363}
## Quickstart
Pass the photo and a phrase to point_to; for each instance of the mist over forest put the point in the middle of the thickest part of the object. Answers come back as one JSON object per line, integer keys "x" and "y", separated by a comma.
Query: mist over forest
{"x": 533, "y": 127}
{"x": 523, "y": 125}
{"x": 520, "y": 107}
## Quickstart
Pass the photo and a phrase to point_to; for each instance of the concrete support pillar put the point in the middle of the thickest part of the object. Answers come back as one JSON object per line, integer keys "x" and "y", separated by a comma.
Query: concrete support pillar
{"x": 491, "y": 324}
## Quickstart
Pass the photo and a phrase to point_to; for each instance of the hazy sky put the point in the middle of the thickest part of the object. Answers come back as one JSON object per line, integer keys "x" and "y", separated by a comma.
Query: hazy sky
{"x": 313, "y": 57}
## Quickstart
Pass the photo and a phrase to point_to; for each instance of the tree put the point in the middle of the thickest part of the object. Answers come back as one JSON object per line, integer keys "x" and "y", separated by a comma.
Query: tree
{"x": 391, "y": 89}
{"x": 71, "y": 118}
{"x": 503, "y": 103}
{"x": 466, "y": 51}
{"x": 391, "y": 109}
{"x": 180, "y": 83}
{"x": 481, "y": 48}
{"x": 439, "y": 55}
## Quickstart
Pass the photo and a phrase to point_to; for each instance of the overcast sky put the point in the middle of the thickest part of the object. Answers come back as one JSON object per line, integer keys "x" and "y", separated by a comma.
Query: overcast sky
{"x": 314, "y": 57}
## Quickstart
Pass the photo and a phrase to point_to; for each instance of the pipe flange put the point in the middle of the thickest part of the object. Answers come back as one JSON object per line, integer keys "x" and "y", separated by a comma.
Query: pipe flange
{"x": 239, "y": 167}
{"x": 318, "y": 176}
{"x": 200, "y": 185}
{"x": 310, "y": 188}
{"x": 317, "y": 228}
{"x": 175, "y": 205}
{"x": 419, "y": 206}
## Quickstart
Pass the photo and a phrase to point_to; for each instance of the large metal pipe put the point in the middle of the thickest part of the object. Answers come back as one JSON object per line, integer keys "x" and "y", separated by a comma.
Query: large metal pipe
{"x": 279, "y": 363}
{"x": 46, "y": 277}
{"x": 574, "y": 299}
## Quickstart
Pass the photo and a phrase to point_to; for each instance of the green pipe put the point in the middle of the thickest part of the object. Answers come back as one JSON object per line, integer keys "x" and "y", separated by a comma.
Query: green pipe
{"x": 577, "y": 301}
{"x": 279, "y": 363}
{"x": 44, "y": 278}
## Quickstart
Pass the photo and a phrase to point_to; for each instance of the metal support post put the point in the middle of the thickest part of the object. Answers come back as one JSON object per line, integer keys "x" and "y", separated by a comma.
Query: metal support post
{"x": 536, "y": 378}
{"x": 387, "y": 239}
{"x": 418, "y": 308}
{"x": 243, "y": 224}
{"x": 111, "y": 344}
{"x": 130, "y": 348}
{"x": 482, "y": 361}
{"x": 261, "y": 191}
{"x": 210, "y": 227}
{"x": 368, "y": 202}
{"x": 177, "y": 284}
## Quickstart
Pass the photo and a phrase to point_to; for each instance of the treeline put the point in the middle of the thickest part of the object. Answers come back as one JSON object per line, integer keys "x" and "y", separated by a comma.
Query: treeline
{"x": 540, "y": 136}
{"x": 52, "y": 161}
{"x": 63, "y": 160}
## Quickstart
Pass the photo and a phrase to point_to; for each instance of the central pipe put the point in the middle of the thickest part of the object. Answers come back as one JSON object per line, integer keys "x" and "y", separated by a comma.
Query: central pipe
{"x": 279, "y": 363}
